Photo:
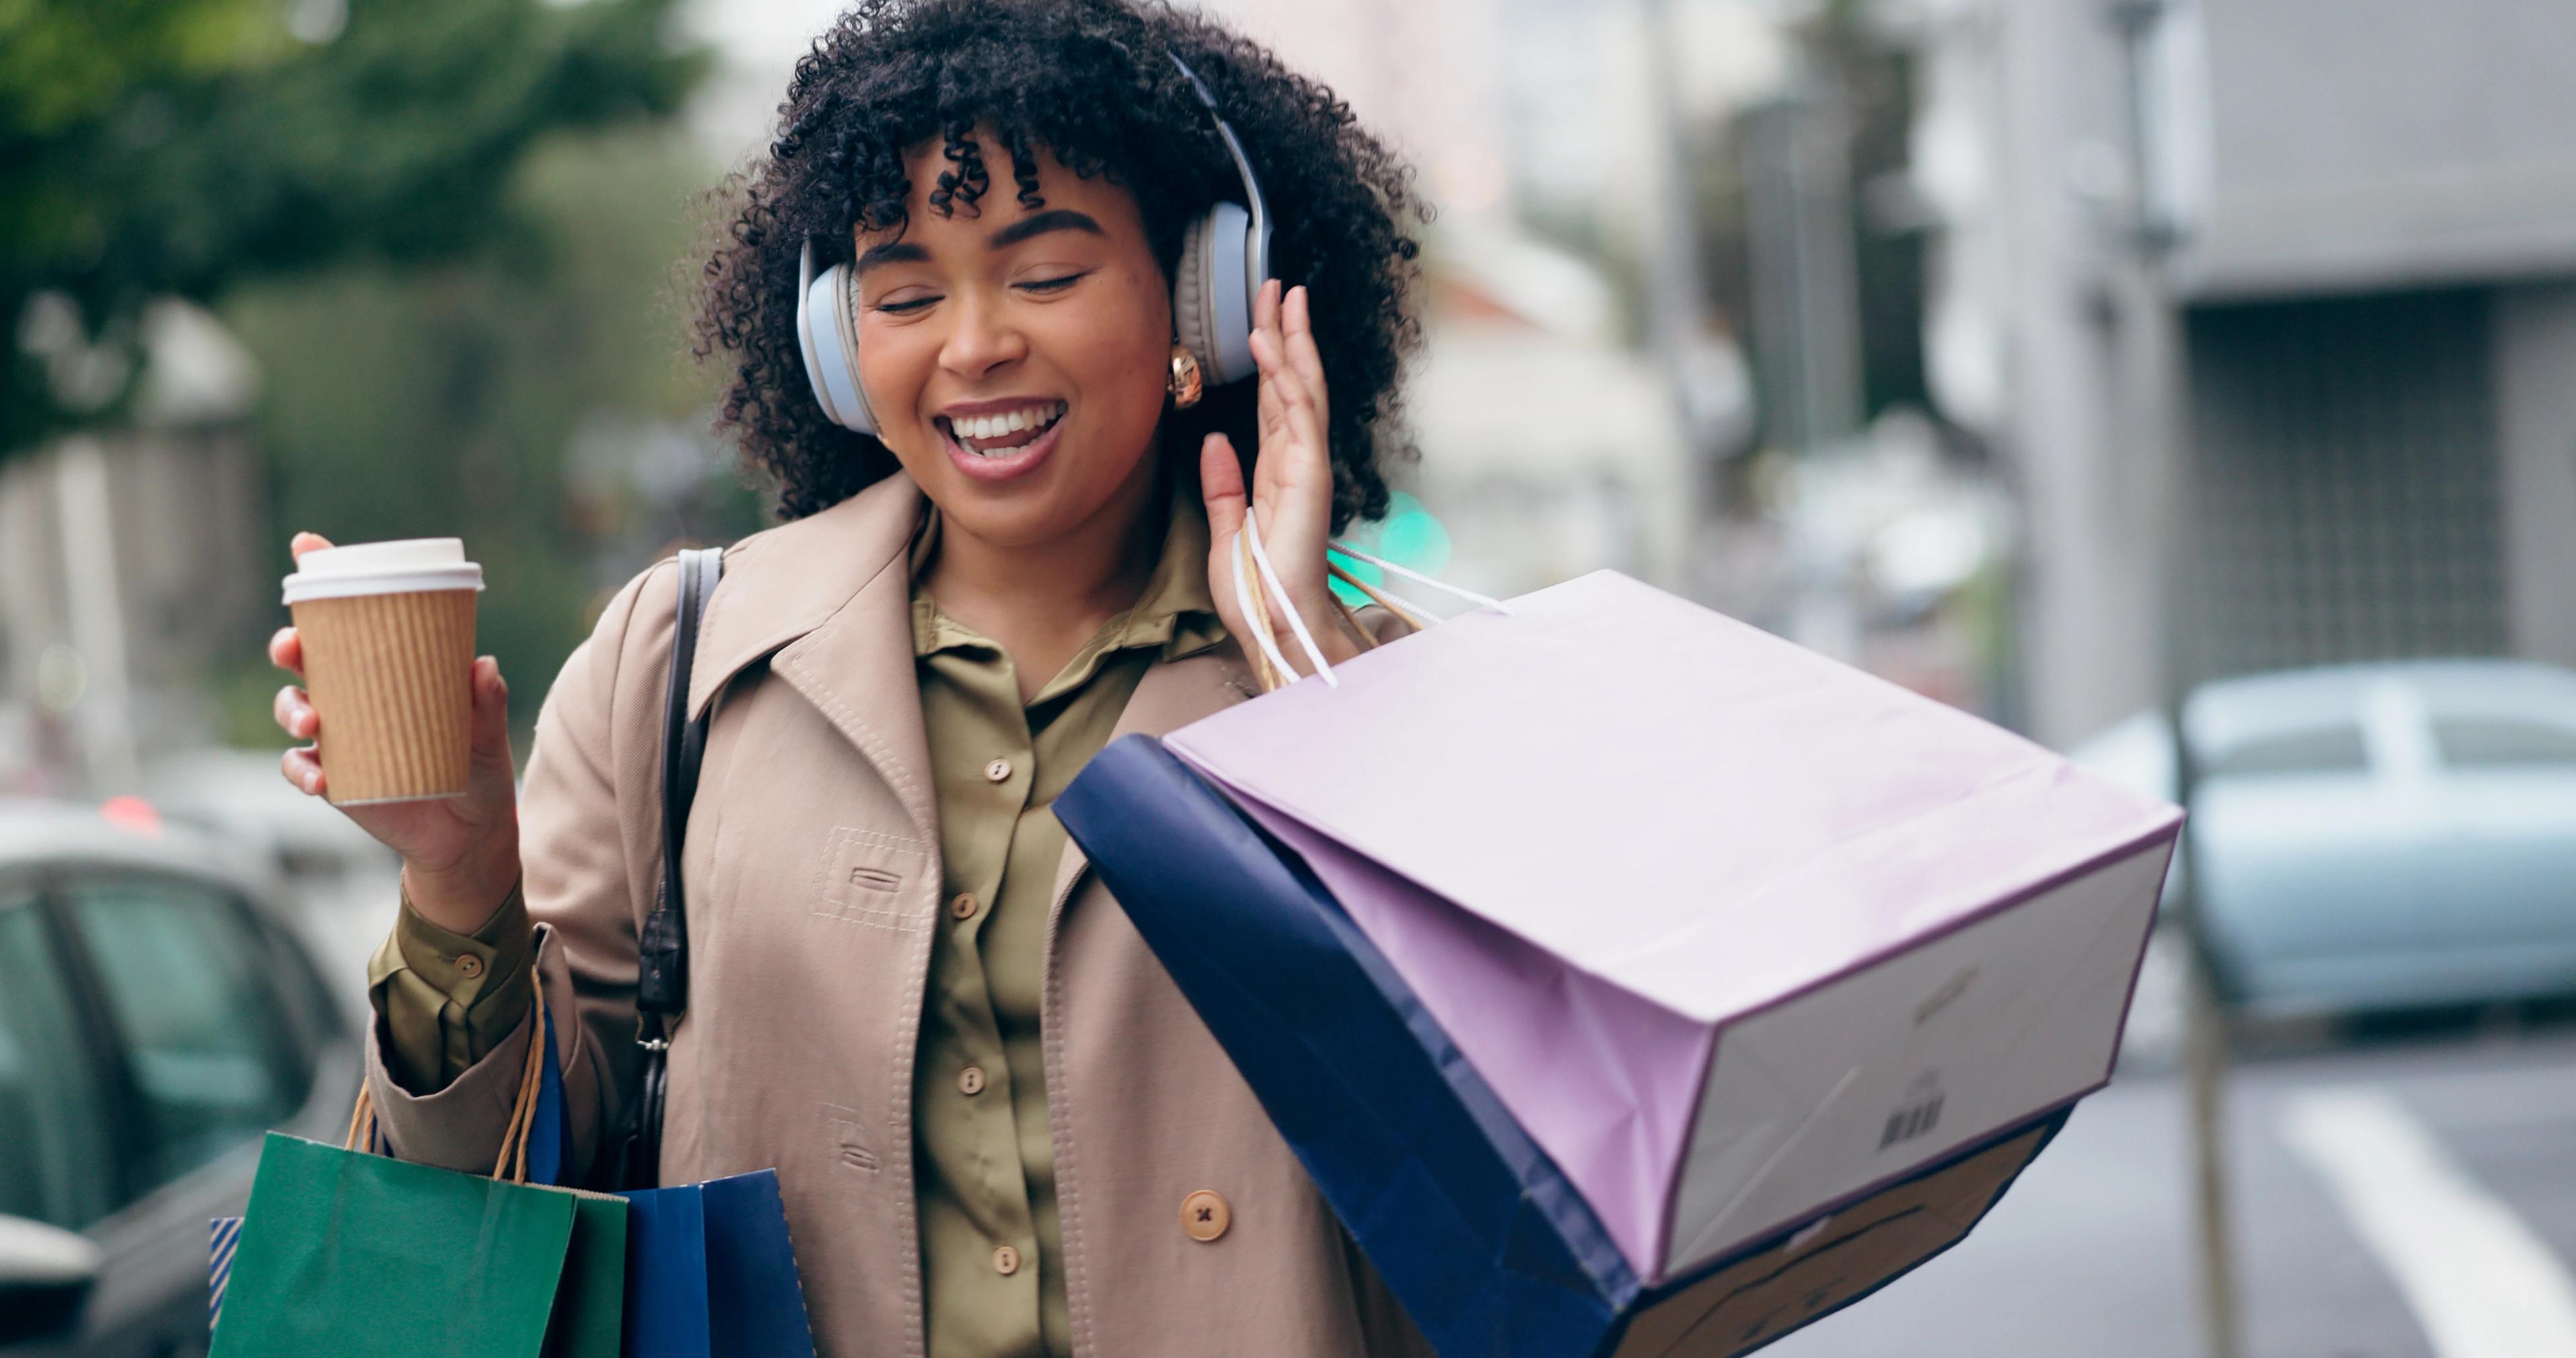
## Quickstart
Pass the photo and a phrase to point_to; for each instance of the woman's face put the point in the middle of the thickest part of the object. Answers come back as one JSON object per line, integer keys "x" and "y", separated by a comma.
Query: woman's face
{"x": 1016, "y": 358}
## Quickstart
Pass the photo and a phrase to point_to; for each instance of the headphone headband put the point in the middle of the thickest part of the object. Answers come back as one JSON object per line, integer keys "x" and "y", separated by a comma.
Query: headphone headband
{"x": 1257, "y": 264}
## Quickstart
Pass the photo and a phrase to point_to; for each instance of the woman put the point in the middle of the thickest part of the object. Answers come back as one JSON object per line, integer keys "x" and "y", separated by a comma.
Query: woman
{"x": 986, "y": 1103}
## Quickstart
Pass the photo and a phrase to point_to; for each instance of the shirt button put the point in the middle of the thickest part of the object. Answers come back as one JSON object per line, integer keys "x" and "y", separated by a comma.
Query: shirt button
{"x": 469, "y": 966}
{"x": 998, "y": 771}
{"x": 1205, "y": 1216}
{"x": 963, "y": 905}
{"x": 1006, "y": 1261}
{"x": 971, "y": 1081}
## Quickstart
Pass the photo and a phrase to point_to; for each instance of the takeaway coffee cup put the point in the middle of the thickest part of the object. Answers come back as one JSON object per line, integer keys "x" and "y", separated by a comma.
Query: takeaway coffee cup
{"x": 388, "y": 630}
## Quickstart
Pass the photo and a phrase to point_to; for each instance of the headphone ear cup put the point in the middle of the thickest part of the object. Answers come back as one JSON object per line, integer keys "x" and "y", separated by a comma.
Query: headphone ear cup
{"x": 828, "y": 340}
{"x": 1230, "y": 289}
{"x": 845, "y": 314}
{"x": 1192, "y": 321}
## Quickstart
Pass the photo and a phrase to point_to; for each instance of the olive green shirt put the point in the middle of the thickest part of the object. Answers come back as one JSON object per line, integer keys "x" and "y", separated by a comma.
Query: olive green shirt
{"x": 992, "y": 1258}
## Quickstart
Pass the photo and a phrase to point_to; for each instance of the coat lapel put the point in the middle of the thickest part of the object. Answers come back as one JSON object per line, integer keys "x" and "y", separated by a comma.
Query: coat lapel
{"x": 858, "y": 669}
{"x": 828, "y": 599}
{"x": 1170, "y": 696}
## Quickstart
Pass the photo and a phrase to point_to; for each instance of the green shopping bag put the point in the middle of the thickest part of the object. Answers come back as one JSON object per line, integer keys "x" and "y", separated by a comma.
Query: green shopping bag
{"x": 353, "y": 1254}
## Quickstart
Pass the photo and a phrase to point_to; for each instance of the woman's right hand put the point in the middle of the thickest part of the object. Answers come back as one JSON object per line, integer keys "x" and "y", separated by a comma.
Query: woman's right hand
{"x": 460, "y": 854}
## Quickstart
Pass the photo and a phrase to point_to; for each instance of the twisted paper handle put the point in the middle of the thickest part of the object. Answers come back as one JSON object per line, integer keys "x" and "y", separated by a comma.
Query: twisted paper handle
{"x": 1269, "y": 664}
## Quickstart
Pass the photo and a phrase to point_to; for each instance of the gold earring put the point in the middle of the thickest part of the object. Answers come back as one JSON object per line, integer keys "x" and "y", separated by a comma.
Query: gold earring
{"x": 1184, "y": 382}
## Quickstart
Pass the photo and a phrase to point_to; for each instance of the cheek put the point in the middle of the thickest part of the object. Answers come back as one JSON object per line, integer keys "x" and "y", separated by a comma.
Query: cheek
{"x": 1121, "y": 354}
{"x": 895, "y": 363}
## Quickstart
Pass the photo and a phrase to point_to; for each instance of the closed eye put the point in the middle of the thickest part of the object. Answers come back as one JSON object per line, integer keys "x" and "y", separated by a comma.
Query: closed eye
{"x": 905, "y": 307}
{"x": 1044, "y": 285}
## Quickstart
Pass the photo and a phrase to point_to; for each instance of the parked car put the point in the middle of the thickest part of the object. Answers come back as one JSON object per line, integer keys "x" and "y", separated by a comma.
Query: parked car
{"x": 339, "y": 885}
{"x": 2377, "y": 836}
{"x": 158, "y": 1014}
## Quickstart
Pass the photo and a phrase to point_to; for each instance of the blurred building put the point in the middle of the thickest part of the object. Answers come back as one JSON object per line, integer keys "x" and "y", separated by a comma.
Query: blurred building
{"x": 1553, "y": 442}
{"x": 130, "y": 559}
{"x": 1549, "y": 447}
{"x": 2363, "y": 220}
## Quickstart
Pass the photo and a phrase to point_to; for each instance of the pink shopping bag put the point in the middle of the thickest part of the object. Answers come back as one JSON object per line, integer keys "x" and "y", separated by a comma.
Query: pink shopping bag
{"x": 1736, "y": 933}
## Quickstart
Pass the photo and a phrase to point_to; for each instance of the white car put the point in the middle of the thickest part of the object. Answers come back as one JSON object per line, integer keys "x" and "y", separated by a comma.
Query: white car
{"x": 2377, "y": 836}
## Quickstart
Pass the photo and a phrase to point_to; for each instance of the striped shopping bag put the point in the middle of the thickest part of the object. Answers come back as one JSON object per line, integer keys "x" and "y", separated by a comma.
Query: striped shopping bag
{"x": 222, "y": 1235}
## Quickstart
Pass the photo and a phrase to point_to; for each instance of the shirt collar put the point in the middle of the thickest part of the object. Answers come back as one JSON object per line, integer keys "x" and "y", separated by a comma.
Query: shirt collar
{"x": 1174, "y": 612}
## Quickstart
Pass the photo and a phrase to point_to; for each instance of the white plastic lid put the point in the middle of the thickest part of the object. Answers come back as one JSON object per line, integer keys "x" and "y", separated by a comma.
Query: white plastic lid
{"x": 408, "y": 566}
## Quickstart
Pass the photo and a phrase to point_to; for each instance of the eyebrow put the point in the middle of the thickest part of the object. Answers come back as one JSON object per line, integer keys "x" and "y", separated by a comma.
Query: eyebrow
{"x": 1053, "y": 219}
{"x": 892, "y": 252}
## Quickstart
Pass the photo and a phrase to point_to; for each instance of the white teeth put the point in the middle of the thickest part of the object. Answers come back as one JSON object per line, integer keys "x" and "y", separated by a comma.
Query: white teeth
{"x": 995, "y": 426}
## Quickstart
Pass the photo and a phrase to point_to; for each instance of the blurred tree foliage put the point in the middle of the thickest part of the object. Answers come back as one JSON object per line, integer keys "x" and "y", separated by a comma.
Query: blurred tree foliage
{"x": 184, "y": 147}
{"x": 535, "y": 398}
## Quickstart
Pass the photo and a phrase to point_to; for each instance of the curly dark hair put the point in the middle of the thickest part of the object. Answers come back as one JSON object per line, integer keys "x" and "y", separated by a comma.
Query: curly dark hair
{"x": 1090, "y": 82}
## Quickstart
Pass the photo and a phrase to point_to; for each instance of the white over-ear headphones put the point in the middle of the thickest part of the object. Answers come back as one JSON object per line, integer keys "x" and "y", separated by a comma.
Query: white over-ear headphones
{"x": 1225, "y": 258}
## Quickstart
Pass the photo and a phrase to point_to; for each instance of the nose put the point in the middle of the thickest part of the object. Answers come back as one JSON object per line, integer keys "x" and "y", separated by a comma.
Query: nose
{"x": 983, "y": 338}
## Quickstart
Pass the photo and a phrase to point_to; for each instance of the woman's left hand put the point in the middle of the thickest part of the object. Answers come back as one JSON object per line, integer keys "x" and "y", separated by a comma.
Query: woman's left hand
{"x": 1292, "y": 486}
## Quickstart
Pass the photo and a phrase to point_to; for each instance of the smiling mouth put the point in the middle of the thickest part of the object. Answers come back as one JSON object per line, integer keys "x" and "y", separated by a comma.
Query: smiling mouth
{"x": 1002, "y": 435}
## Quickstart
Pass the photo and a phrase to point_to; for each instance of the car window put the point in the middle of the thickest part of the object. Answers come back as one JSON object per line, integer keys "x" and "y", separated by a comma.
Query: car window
{"x": 2316, "y": 749}
{"x": 181, "y": 966}
{"x": 56, "y": 1154}
{"x": 2489, "y": 742}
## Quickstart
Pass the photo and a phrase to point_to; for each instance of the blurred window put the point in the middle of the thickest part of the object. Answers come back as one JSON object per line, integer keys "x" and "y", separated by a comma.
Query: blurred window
{"x": 184, "y": 970}
{"x": 2490, "y": 742}
{"x": 2317, "y": 749}
{"x": 313, "y": 1019}
{"x": 56, "y": 1154}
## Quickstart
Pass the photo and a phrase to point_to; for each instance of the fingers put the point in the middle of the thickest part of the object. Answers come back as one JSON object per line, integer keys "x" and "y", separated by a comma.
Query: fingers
{"x": 286, "y": 651}
{"x": 491, "y": 711}
{"x": 1298, "y": 327}
{"x": 1289, "y": 408}
{"x": 1270, "y": 406}
{"x": 295, "y": 714}
{"x": 1221, "y": 484}
{"x": 303, "y": 767}
{"x": 286, "y": 648}
{"x": 1265, "y": 306}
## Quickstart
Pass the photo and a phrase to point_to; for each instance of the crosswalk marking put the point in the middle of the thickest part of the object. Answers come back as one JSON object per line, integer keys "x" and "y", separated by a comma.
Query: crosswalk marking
{"x": 2481, "y": 1283}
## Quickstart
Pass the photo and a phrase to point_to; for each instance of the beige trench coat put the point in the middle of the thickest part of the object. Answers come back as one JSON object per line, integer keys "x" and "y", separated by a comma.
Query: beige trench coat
{"x": 813, "y": 878}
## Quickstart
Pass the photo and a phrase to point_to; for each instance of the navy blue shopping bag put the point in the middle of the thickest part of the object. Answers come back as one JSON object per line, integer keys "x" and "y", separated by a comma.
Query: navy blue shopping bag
{"x": 710, "y": 1268}
{"x": 710, "y": 1271}
{"x": 1488, "y": 1245}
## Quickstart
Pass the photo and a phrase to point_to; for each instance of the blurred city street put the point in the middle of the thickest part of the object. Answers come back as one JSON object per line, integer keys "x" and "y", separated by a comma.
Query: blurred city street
{"x": 2091, "y": 1253}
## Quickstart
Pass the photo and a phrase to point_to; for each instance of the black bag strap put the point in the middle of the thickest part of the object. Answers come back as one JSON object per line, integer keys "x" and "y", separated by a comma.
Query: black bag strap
{"x": 662, "y": 977}
{"x": 662, "y": 985}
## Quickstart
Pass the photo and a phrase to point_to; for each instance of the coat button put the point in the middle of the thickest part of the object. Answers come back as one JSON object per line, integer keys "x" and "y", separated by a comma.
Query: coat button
{"x": 963, "y": 905}
{"x": 1205, "y": 1216}
{"x": 1006, "y": 1261}
{"x": 469, "y": 966}
{"x": 971, "y": 1080}
{"x": 998, "y": 771}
